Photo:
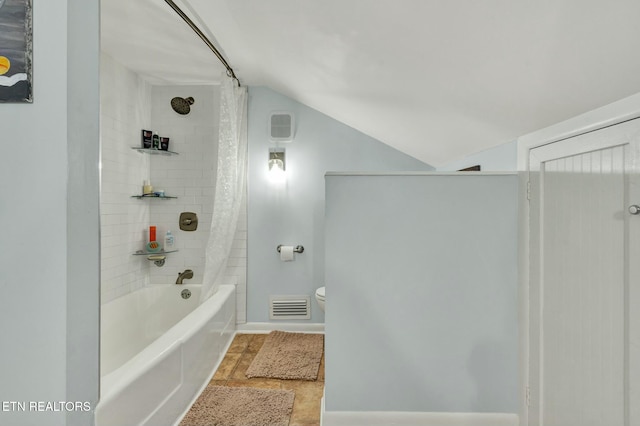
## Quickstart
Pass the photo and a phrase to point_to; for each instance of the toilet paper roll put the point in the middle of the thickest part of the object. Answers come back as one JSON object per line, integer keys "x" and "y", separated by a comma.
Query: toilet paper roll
{"x": 286, "y": 253}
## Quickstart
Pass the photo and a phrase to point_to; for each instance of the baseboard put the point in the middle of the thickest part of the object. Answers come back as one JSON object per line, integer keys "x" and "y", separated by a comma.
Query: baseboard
{"x": 399, "y": 418}
{"x": 266, "y": 327}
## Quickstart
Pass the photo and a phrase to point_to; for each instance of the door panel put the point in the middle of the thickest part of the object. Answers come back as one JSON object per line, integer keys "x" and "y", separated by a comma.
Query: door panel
{"x": 579, "y": 287}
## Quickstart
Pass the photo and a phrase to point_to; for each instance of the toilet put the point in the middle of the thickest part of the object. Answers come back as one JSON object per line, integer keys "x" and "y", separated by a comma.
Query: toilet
{"x": 320, "y": 297}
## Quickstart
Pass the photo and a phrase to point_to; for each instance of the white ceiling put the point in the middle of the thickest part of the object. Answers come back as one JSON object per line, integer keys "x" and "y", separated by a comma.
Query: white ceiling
{"x": 437, "y": 79}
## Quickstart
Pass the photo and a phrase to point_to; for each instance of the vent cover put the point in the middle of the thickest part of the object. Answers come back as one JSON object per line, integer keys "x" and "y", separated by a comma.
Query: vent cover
{"x": 289, "y": 307}
{"x": 281, "y": 127}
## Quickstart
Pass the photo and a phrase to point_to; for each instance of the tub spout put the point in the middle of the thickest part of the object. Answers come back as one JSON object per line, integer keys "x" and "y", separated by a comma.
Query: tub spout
{"x": 188, "y": 273}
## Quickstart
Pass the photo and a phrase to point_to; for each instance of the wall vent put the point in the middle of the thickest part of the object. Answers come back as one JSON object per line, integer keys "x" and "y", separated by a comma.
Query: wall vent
{"x": 289, "y": 307}
{"x": 281, "y": 125}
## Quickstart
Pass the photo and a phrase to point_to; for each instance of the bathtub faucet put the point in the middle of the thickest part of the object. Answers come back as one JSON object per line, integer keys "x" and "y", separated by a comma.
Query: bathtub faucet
{"x": 188, "y": 273}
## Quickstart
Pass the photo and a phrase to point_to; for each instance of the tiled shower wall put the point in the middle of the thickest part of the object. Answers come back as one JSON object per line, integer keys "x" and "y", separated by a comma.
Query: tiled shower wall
{"x": 125, "y": 108}
{"x": 190, "y": 176}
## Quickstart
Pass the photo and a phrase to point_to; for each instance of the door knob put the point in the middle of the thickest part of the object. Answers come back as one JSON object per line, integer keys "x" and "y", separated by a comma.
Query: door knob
{"x": 634, "y": 209}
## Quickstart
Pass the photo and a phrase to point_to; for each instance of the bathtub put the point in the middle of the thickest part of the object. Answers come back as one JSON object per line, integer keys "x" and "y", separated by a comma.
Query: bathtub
{"x": 158, "y": 351}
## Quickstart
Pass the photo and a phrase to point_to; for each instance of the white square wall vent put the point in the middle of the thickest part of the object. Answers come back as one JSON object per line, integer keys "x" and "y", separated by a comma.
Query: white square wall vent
{"x": 281, "y": 125}
{"x": 290, "y": 307}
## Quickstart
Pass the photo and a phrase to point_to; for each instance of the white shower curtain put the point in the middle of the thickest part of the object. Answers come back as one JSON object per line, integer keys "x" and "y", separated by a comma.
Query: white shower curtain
{"x": 232, "y": 160}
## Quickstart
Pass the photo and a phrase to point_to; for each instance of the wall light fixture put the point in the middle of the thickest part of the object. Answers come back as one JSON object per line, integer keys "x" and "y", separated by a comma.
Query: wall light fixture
{"x": 277, "y": 165}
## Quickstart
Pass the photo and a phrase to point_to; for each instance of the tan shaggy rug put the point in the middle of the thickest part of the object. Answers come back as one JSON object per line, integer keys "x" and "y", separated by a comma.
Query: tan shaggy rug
{"x": 293, "y": 356}
{"x": 229, "y": 406}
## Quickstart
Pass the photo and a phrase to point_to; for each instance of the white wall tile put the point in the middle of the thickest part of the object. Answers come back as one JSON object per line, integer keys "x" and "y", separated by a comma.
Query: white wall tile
{"x": 125, "y": 110}
{"x": 190, "y": 176}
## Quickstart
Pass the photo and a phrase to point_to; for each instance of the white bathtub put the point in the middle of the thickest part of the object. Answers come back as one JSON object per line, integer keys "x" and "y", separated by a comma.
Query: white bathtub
{"x": 158, "y": 351}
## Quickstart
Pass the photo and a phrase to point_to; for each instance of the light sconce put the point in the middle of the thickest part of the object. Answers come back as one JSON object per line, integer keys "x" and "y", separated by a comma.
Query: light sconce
{"x": 277, "y": 165}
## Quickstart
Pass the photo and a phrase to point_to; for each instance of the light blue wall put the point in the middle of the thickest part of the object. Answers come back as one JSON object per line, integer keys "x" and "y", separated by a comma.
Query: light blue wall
{"x": 293, "y": 213}
{"x": 49, "y": 268}
{"x": 501, "y": 158}
{"x": 422, "y": 293}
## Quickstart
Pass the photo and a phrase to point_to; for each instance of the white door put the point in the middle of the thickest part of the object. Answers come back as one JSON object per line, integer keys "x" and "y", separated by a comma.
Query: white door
{"x": 584, "y": 280}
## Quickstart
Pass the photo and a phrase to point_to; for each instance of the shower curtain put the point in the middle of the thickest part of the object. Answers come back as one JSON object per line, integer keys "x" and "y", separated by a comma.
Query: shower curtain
{"x": 230, "y": 182}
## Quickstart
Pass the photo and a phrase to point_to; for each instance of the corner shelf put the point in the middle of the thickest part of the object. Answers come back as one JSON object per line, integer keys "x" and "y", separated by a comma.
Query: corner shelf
{"x": 154, "y": 151}
{"x": 139, "y": 197}
{"x": 157, "y": 257}
{"x": 150, "y": 253}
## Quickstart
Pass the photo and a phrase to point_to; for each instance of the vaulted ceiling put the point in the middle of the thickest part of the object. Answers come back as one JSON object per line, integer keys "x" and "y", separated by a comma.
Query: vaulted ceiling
{"x": 437, "y": 79}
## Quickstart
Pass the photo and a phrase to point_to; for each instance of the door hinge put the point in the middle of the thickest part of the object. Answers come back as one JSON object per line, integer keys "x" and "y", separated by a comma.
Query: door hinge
{"x": 527, "y": 396}
{"x": 528, "y": 190}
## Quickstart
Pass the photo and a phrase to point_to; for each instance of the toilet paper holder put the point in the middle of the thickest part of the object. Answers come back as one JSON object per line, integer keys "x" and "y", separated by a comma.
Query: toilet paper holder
{"x": 297, "y": 249}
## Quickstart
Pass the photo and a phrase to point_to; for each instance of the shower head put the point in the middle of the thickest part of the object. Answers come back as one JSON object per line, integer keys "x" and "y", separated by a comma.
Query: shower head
{"x": 182, "y": 105}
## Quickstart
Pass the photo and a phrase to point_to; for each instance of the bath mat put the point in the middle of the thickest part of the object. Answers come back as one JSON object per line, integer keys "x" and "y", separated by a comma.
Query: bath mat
{"x": 231, "y": 406}
{"x": 292, "y": 356}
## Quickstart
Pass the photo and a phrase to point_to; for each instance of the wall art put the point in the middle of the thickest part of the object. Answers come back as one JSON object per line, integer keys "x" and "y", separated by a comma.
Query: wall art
{"x": 16, "y": 41}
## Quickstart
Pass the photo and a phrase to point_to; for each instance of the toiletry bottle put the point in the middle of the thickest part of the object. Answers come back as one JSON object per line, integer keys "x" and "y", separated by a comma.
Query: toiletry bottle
{"x": 156, "y": 141}
{"x": 152, "y": 245}
{"x": 168, "y": 240}
{"x": 147, "y": 188}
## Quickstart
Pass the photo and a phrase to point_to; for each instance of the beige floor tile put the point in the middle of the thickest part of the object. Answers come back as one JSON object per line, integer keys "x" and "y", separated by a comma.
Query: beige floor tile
{"x": 321, "y": 370}
{"x": 255, "y": 383}
{"x": 239, "y": 344}
{"x": 227, "y": 366}
{"x": 256, "y": 342}
{"x": 217, "y": 383}
{"x": 306, "y": 406}
{"x": 243, "y": 364}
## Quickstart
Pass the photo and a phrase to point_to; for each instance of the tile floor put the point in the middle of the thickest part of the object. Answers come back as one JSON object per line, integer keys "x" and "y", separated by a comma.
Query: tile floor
{"x": 306, "y": 406}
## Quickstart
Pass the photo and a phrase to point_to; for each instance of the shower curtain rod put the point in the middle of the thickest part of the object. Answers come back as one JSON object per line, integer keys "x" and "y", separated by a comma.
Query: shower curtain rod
{"x": 204, "y": 38}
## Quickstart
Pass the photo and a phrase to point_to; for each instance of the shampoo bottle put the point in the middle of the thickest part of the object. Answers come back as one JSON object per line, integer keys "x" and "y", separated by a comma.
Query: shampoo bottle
{"x": 168, "y": 241}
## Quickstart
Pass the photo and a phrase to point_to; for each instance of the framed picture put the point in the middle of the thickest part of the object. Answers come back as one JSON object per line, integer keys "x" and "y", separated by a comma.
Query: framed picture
{"x": 16, "y": 43}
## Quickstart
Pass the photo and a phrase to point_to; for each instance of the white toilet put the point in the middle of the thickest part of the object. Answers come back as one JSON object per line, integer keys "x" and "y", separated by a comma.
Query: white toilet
{"x": 320, "y": 297}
